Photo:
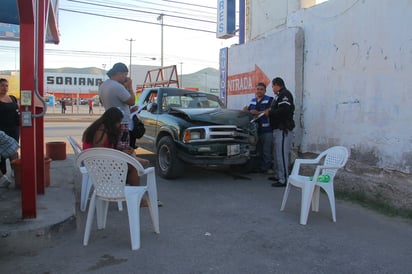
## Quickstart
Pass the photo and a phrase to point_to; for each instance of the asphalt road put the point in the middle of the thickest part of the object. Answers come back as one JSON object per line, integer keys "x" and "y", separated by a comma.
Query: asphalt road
{"x": 219, "y": 221}
{"x": 216, "y": 221}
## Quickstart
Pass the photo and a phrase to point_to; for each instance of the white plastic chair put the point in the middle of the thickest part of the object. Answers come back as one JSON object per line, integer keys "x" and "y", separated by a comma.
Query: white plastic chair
{"x": 107, "y": 169}
{"x": 334, "y": 158}
{"x": 86, "y": 182}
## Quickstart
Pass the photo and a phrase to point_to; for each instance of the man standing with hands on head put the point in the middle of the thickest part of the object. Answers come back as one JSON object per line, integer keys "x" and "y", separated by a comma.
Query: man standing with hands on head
{"x": 282, "y": 123}
{"x": 117, "y": 91}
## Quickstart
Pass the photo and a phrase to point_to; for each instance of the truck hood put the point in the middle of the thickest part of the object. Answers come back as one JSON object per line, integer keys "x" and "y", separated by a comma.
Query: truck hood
{"x": 217, "y": 116}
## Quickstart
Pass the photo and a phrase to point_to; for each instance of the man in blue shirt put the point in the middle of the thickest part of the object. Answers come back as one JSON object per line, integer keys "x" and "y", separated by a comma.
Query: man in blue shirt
{"x": 257, "y": 106}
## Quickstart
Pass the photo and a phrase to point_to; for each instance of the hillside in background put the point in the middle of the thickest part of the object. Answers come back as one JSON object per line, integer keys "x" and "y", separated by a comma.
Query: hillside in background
{"x": 89, "y": 70}
{"x": 206, "y": 79}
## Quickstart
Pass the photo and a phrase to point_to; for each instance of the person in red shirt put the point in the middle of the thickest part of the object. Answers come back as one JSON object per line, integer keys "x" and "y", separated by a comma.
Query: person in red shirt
{"x": 90, "y": 106}
{"x": 105, "y": 132}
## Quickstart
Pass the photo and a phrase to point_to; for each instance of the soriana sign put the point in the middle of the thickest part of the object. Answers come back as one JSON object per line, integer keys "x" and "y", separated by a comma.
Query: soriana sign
{"x": 225, "y": 19}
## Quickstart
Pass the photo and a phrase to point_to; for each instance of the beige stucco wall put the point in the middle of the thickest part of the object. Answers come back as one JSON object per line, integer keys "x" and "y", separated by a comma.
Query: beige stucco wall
{"x": 264, "y": 16}
{"x": 356, "y": 80}
{"x": 356, "y": 84}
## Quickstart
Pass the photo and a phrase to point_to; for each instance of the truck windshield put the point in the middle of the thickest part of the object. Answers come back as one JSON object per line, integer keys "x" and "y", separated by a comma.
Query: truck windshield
{"x": 191, "y": 100}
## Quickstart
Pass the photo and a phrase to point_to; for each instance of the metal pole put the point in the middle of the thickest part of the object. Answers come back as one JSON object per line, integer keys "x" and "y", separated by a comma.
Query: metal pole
{"x": 181, "y": 75}
{"x": 160, "y": 19}
{"x": 130, "y": 55}
{"x": 206, "y": 81}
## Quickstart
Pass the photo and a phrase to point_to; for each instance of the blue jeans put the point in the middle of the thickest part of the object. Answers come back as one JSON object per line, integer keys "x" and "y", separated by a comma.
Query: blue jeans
{"x": 264, "y": 149}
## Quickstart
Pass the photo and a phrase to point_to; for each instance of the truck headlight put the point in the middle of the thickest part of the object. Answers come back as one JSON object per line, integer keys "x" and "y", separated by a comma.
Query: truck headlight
{"x": 194, "y": 134}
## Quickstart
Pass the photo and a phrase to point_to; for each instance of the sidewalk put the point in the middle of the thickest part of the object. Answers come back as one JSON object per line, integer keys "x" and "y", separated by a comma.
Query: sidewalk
{"x": 55, "y": 209}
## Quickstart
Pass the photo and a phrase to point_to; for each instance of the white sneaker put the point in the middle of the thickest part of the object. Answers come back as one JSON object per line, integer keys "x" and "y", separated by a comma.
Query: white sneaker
{"x": 4, "y": 182}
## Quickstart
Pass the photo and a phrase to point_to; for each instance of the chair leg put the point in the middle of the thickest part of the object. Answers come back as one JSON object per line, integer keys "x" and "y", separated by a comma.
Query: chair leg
{"x": 331, "y": 195}
{"x": 102, "y": 208}
{"x": 307, "y": 192}
{"x": 85, "y": 191}
{"x": 89, "y": 220}
{"x": 153, "y": 206}
{"x": 133, "y": 197}
{"x": 285, "y": 196}
{"x": 315, "y": 199}
{"x": 120, "y": 205}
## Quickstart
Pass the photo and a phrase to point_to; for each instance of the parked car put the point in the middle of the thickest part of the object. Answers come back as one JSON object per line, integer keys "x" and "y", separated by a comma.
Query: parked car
{"x": 84, "y": 101}
{"x": 190, "y": 127}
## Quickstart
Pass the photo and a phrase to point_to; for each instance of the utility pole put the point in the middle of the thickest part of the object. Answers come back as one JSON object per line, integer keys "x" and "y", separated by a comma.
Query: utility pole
{"x": 160, "y": 19}
{"x": 131, "y": 40}
{"x": 181, "y": 75}
{"x": 206, "y": 81}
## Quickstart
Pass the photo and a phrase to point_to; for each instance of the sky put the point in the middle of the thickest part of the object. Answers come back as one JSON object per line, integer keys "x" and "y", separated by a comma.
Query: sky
{"x": 88, "y": 40}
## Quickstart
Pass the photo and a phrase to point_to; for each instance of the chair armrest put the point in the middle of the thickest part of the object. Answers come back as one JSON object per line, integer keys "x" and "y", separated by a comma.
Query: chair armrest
{"x": 148, "y": 170}
{"x": 299, "y": 162}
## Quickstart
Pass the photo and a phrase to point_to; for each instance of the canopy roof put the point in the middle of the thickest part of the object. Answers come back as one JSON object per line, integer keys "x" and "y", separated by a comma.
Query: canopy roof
{"x": 10, "y": 19}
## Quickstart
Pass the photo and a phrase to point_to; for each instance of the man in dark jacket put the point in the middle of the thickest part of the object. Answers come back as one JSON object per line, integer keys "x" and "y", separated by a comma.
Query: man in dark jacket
{"x": 282, "y": 123}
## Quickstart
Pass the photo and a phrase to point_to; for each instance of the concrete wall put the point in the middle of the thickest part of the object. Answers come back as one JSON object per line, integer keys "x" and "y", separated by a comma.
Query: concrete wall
{"x": 260, "y": 61}
{"x": 264, "y": 16}
{"x": 357, "y": 82}
{"x": 356, "y": 73}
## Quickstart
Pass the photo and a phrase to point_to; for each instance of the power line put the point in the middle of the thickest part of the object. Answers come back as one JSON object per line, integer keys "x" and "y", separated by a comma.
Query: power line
{"x": 134, "y": 20}
{"x": 153, "y": 4}
{"x": 189, "y": 4}
{"x": 142, "y": 11}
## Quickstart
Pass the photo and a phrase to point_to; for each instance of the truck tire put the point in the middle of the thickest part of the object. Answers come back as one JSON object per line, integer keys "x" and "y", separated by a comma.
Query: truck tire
{"x": 168, "y": 165}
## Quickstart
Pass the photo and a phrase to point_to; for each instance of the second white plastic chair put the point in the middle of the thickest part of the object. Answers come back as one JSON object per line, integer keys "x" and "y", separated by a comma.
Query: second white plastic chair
{"x": 333, "y": 159}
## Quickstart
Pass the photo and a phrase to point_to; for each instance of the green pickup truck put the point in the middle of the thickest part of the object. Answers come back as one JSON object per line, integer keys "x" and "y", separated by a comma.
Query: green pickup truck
{"x": 185, "y": 127}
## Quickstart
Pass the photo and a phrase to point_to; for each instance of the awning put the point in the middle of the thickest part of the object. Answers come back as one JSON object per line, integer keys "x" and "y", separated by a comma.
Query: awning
{"x": 10, "y": 21}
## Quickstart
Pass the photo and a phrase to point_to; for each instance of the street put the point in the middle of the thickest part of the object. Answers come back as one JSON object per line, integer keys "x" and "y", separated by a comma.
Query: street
{"x": 220, "y": 221}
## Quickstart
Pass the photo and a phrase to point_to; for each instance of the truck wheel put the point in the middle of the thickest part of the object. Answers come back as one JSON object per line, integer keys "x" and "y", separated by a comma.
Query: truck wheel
{"x": 168, "y": 165}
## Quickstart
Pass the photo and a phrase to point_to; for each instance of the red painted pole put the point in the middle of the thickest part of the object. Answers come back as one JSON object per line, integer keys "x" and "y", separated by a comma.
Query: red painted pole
{"x": 39, "y": 122}
{"x": 28, "y": 137}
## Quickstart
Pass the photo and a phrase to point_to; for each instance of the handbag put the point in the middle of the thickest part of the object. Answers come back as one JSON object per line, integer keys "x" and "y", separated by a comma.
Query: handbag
{"x": 138, "y": 128}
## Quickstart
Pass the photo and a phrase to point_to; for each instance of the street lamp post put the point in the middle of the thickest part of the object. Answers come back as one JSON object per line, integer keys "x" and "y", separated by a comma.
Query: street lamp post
{"x": 181, "y": 74}
{"x": 206, "y": 81}
{"x": 160, "y": 19}
{"x": 130, "y": 55}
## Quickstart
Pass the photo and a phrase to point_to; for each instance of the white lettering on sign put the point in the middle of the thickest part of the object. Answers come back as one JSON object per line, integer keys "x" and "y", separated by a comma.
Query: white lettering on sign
{"x": 226, "y": 16}
{"x": 221, "y": 16}
{"x": 73, "y": 81}
{"x": 239, "y": 84}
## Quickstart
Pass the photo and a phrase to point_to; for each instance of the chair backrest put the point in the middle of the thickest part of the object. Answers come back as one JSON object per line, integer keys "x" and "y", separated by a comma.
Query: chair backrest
{"x": 107, "y": 169}
{"x": 75, "y": 145}
{"x": 336, "y": 156}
